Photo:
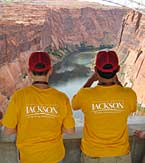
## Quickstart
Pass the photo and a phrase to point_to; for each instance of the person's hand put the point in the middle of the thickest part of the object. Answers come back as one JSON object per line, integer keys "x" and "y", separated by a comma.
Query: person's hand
{"x": 90, "y": 81}
{"x": 140, "y": 134}
{"x": 94, "y": 77}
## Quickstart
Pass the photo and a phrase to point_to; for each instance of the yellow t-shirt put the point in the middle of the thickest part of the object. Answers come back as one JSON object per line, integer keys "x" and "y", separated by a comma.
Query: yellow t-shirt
{"x": 106, "y": 109}
{"x": 39, "y": 115}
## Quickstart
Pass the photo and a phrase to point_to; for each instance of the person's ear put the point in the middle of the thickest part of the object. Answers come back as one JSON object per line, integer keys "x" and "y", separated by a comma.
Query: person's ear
{"x": 118, "y": 69}
{"x": 95, "y": 69}
{"x": 30, "y": 74}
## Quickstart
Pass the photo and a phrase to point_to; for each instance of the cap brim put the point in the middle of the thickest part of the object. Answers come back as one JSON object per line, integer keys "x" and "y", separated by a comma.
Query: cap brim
{"x": 40, "y": 69}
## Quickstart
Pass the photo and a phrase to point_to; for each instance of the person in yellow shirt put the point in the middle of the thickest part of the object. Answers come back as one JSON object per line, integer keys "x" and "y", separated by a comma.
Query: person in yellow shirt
{"x": 106, "y": 108}
{"x": 39, "y": 115}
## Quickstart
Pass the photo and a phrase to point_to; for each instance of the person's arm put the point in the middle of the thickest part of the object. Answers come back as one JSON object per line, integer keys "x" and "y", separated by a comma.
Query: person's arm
{"x": 91, "y": 80}
{"x": 132, "y": 101}
{"x": 94, "y": 78}
{"x": 76, "y": 101}
{"x": 140, "y": 134}
{"x": 9, "y": 131}
{"x": 68, "y": 122}
{"x": 78, "y": 98}
{"x": 10, "y": 119}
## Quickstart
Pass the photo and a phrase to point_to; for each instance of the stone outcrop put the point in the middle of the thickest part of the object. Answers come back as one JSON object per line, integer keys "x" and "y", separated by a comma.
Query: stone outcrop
{"x": 27, "y": 27}
{"x": 132, "y": 53}
{"x": 85, "y": 25}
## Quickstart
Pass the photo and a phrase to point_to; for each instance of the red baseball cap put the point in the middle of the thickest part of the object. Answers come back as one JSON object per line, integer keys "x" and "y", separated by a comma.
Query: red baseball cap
{"x": 39, "y": 58}
{"x": 107, "y": 58}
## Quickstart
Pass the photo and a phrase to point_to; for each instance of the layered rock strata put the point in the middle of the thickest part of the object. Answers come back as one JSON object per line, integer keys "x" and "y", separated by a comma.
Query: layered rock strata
{"x": 27, "y": 27}
{"x": 132, "y": 53}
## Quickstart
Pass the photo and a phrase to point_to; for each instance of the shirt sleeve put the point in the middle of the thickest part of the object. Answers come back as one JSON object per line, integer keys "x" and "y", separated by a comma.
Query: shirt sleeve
{"x": 76, "y": 101}
{"x": 10, "y": 119}
{"x": 68, "y": 121}
{"x": 133, "y": 101}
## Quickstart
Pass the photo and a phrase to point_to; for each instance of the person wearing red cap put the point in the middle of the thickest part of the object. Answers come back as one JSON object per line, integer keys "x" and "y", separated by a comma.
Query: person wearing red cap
{"x": 39, "y": 114}
{"x": 106, "y": 108}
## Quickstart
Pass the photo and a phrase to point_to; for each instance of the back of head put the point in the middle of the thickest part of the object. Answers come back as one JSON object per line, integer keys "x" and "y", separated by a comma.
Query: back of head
{"x": 107, "y": 64}
{"x": 39, "y": 63}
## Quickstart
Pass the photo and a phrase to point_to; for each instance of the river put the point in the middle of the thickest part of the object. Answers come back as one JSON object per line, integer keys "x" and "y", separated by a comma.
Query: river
{"x": 71, "y": 74}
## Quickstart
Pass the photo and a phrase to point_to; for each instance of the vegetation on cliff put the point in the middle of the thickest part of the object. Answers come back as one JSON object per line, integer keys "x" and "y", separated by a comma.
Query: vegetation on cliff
{"x": 82, "y": 47}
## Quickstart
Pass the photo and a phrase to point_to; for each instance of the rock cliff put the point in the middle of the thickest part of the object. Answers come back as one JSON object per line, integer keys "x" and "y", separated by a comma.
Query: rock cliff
{"x": 132, "y": 53}
{"x": 27, "y": 27}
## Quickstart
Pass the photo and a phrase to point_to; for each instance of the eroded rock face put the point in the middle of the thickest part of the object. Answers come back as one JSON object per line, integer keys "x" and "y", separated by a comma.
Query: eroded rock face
{"x": 3, "y": 104}
{"x": 132, "y": 52}
{"x": 33, "y": 27}
{"x": 25, "y": 28}
{"x": 85, "y": 25}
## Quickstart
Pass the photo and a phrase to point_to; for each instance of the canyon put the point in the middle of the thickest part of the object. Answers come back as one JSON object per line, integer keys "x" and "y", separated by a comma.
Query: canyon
{"x": 31, "y": 26}
{"x": 131, "y": 48}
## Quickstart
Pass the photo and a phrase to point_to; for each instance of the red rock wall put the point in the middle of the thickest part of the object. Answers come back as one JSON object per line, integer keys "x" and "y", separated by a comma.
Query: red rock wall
{"x": 30, "y": 27}
{"x": 86, "y": 25}
{"x": 27, "y": 28}
{"x": 132, "y": 52}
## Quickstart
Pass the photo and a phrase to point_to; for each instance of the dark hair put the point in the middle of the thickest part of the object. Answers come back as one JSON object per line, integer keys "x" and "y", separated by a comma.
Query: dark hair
{"x": 40, "y": 65}
{"x": 107, "y": 75}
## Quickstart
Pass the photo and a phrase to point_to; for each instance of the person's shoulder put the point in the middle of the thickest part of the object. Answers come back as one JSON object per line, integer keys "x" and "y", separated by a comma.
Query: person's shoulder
{"x": 85, "y": 90}
{"x": 23, "y": 89}
{"x": 59, "y": 93}
{"x": 18, "y": 93}
{"x": 129, "y": 91}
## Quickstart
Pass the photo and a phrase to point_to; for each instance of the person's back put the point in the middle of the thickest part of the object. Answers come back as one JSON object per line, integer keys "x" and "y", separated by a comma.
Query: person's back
{"x": 39, "y": 114}
{"x": 106, "y": 108}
